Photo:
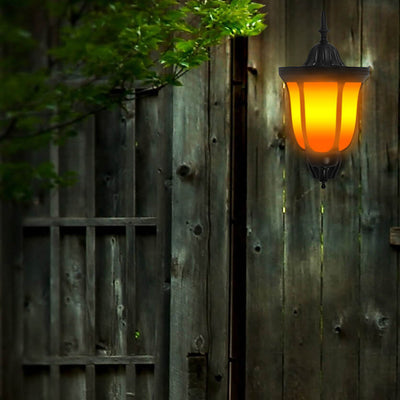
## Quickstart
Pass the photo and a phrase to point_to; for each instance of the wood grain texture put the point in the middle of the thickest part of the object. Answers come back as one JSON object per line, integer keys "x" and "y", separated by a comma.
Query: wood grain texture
{"x": 164, "y": 176}
{"x": 111, "y": 164}
{"x": 72, "y": 157}
{"x": 218, "y": 221}
{"x": 89, "y": 222}
{"x": 197, "y": 377}
{"x": 147, "y": 292}
{"x": 341, "y": 257}
{"x": 72, "y": 292}
{"x": 302, "y": 287}
{"x": 379, "y": 201}
{"x": 149, "y": 128}
{"x": 36, "y": 294}
{"x": 72, "y": 383}
{"x": 110, "y": 301}
{"x": 110, "y": 309}
{"x": 90, "y": 360}
{"x": 190, "y": 229}
{"x": 265, "y": 202}
{"x": 110, "y": 383}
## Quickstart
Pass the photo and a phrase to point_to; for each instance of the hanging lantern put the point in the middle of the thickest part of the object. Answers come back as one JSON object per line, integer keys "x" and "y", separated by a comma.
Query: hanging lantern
{"x": 323, "y": 105}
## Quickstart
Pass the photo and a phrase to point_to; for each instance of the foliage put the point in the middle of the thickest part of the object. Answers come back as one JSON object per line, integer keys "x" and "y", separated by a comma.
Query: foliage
{"x": 101, "y": 53}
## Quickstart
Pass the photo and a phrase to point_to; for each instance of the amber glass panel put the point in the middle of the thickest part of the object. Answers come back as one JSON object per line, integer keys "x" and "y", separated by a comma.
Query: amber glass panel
{"x": 320, "y": 100}
{"x": 295, "y": 112}
{"x": 349, "y": 113}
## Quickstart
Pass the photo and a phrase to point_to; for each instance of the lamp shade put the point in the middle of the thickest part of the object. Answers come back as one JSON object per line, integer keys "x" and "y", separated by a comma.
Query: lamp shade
{"x": 323, "y": 97}
{"x": 323, "y": 106}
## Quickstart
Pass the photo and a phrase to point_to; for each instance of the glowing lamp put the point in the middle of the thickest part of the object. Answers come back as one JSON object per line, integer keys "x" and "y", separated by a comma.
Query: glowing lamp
{"x": 323, "y": 96}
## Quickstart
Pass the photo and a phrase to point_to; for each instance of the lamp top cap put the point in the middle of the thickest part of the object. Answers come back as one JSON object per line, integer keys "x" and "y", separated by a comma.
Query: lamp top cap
{"x": 324, "y": 54}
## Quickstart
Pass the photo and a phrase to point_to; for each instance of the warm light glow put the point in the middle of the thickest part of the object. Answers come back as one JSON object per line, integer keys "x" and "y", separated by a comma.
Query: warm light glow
{"x": 320, "y": 99}
{"x": 320, "y": 114}
{"x": 296, "y": 114}
{"x": 349, "y": 113}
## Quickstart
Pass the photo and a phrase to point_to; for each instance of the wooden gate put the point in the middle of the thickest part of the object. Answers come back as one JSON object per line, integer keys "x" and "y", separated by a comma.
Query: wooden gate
{"x": 86, "y": 286}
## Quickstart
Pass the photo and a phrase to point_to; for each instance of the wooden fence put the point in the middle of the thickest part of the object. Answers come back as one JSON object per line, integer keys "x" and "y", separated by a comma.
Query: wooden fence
{"x": 279, "y": 289}
{"x": 87, "y": 314}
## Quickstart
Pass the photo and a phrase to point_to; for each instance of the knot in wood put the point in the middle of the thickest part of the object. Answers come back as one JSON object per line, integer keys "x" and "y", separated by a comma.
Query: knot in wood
{"x": 338, "y": 329}
{"x": 198, "y": 343}
{"x": 252, "y": 70}
{"x": 184, "y": 171}
{"x": 382, "y": 323}
{"x": 198, "y": 230}
{"x": 257, "y": 248}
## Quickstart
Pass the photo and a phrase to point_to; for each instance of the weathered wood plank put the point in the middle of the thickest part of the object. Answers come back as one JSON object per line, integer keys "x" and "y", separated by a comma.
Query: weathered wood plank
{"x": 110, "y": 301}
{"x": 190, "y": 230}
{"x": 36, "y": 293}
{"x": 379, "y": 201}
{"x": 148, "y": 290}
{"x": 197, "y": 376}
{"x": 110, "y": 383}
{"x": 36, "y": 305}
{"x": 145, "y": 382}
{"x": 111, "y": 164}
{"x": 130, "y": 231}
{"x": 36, "y": 385}
{"x": 219, "y": 220}
{"x": 73, "y": 334}
{"x": 90, "y": 278}
{"x": 72, "y": 157}
{"x": 12, "y": 301}
{"x": 90, "y": 375}
{"x": 128, "y": 119}
{"x": 164, "y": 164}
{"x": 90, "y": 290}
{"x": 72, "y": 292}
{"x": 72, "y": 383}
{"x": 265, "y": 202}
{"x": 54, "y": 281}
{"x": 148, "y": 132}
{"x": 54, "y": 301}
{"x": 302, "y": 328}
{"x": 90, "y": 360}
{"x": 341, "y": 258}
{"x": 130, "y": 293}
{"x": 40, "y": 203}
{"x": 153, "y": 130}
{"x": 82, "y": 222}
{"x": 111, "y": 306}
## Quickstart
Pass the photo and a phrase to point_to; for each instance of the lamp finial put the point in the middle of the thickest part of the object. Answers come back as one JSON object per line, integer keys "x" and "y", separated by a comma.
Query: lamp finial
{"x": 324, "y": 28}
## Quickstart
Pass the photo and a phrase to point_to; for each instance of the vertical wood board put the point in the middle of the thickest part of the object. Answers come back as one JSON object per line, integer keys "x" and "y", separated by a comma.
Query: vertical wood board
{"x": 341, "y": 257}
{"x": 302, "y": 287}
{"x": 265, "y": 203}
{"x": 190, "y": 235}
{"x": 218, "y": 220}
{"x": 379, "y": 201}
{"x": 72, "y": 292}
{"x": 111, "y": 164}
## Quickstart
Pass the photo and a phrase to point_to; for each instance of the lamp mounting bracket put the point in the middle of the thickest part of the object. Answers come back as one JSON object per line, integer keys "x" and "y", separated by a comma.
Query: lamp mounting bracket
{"x": 324, "y": 167}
